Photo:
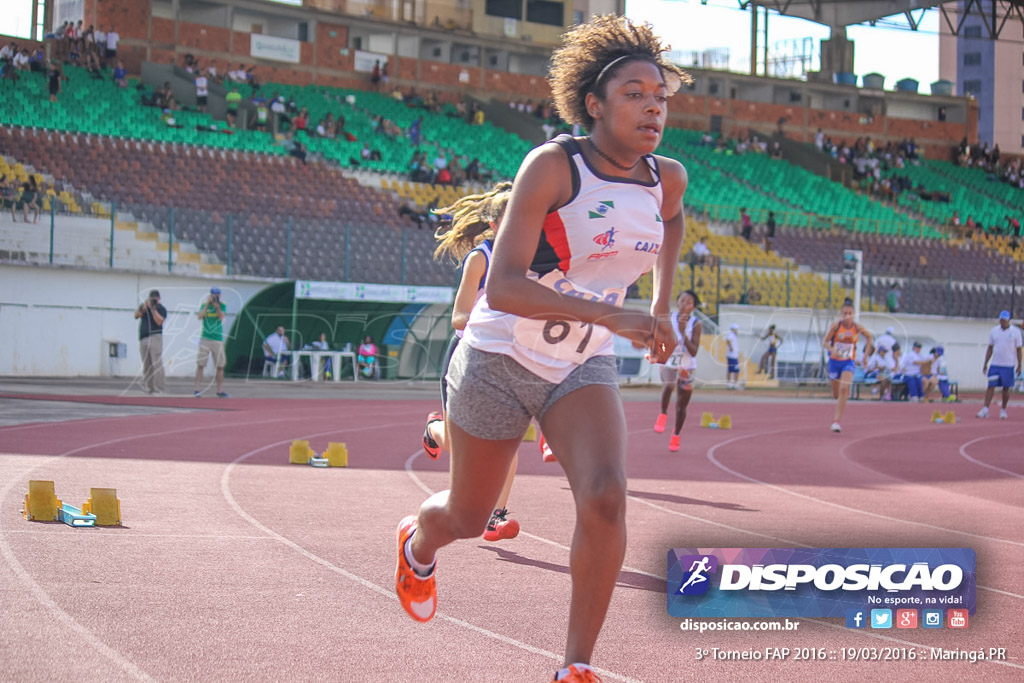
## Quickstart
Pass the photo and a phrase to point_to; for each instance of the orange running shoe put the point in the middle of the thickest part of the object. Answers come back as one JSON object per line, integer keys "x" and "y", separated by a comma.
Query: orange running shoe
{"x": 659, "y": 424}
{"x": 673, "y": 443}
{"x": 545, "y": 450}
{"x": 499, "y": 527}
{"x": 417, "y": 594}
{"x": 432, "y": 448}
{"x": 579, "y": 676}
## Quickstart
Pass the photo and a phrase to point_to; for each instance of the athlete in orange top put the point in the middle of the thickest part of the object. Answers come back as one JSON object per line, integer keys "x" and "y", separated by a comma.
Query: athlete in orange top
{"x": 841, "y": 344}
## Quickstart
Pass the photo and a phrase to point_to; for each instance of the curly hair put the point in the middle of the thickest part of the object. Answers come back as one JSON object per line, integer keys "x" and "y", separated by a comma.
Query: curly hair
{"x": 467, "y": 222}
{"x": 593, "y": 52}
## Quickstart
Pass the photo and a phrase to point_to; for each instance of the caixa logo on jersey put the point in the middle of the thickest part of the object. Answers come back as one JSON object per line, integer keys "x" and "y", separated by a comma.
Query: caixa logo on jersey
{"x": 816, "y": 582}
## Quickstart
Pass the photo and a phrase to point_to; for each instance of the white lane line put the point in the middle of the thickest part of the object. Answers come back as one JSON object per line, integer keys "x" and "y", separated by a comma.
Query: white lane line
{"x": 419, "y": 482}
{"x": 965, "y": 456}
{"x": 41, "y": 595}
{"x": 386, "y": 592}
{"x": 711, "y": 457}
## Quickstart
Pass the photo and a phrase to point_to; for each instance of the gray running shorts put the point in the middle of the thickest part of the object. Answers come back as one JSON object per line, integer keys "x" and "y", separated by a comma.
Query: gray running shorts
{"x": 493, "y": 397}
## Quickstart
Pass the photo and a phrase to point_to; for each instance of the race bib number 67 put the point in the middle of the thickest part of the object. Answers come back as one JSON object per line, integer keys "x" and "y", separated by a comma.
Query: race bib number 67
{"x": 565, "y": 340}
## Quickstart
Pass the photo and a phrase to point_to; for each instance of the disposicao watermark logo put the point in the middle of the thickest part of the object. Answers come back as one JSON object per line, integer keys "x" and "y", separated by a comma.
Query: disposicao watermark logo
{"x": 817, "y": 582}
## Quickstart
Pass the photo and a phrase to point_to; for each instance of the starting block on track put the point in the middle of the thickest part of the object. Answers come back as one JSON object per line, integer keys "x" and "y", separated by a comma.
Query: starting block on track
{"x": 105, "y": 506}
{"x": 708, "y": 420}
{"x": 939, "y": 418}
{"x": 41, "y": 503}
{"x": 300, "y": 453}
{"x": 72, "y": 516}
{"x": 531, "y": 433}
{"x": 336, "y": 454}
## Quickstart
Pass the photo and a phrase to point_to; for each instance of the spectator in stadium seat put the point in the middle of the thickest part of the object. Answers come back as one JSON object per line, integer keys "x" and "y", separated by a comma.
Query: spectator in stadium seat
{"x": 769, "y": 231}
{"x": 746, "y": 225}
{"x": 886, "y": 340}
{"x": 37, "y": 62}
{"x": 262, "y": 115}
{"x": 112, "y": 40}
{"x": 232, "y": 100}
{"x": 701, "y": 253}
{"x": 21, "y": 60}
{"x": 880, "y": 366}
{"x": 202, "y": 91}
{"x": 55, "y": 77}
{"x": 912, "y": 366}
{"x": 366, "y": 357}
{"x": 276, "y": 349}
{"x": 120, "y": 75}
{"x": 892, "y": 299}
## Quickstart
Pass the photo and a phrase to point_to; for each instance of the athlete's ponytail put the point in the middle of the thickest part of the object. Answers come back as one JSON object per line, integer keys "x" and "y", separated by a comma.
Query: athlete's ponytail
{"x": 467, "y": 222}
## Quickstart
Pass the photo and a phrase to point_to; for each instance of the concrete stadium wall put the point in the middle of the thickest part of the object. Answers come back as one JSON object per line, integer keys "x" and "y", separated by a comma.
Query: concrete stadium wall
{"x": 58, "y": 322}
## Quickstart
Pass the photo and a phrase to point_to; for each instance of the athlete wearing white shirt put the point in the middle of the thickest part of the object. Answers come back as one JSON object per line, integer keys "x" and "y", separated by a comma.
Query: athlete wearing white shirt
{"x": 881, "y": 366}
{"x": 678, "y": 373}
{"x": 732, "y": 358}
{"x": 586, "y": 217}
{"x": 886, "y": 340}
{"x": 1004, "y": 351}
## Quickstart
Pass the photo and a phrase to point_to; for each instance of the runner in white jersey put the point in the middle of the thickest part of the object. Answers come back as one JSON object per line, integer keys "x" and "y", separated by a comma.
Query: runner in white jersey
{"x": 586, "y": 218}
{"x": 679, "y": 372}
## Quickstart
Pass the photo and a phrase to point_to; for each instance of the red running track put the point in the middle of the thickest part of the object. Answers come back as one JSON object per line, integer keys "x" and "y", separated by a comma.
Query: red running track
{"x": 233, "y": 565}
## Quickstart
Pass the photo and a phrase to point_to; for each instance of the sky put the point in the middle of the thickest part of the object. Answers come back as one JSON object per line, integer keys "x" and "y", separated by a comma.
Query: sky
{"x": 894, "y": 53}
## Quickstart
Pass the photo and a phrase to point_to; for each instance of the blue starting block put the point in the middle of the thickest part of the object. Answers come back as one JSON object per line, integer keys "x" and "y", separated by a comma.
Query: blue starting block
{"x": 73, "y": 516}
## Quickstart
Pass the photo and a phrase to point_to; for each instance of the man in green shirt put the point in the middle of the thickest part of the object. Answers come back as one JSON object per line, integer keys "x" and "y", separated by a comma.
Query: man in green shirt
{"x": 232, "y": 99}
{"x": 211, "y": 343}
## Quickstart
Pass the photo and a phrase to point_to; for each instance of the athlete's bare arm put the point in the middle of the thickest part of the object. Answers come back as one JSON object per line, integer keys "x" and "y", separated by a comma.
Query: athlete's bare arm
{"x": 473, "y": 270}
{"x": 543, "y": 184}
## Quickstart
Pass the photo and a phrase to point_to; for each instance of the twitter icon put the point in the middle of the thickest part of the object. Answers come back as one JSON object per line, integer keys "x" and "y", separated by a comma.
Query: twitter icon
{"x": 881, "y": 618}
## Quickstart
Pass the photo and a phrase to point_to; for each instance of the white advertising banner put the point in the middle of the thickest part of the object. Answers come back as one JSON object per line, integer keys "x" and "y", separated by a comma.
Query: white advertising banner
{"x": 362, "y": 291}
{"x": 277, "y": 49}
{"x": 364, "y": 61}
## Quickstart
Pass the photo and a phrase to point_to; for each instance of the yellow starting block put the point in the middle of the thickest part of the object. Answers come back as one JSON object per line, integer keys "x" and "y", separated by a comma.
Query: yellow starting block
{"x": 41, "y": 502}
{"x": 706, "y": 419}
{"x": 949, "y": 418}
{"x": 336, "y": 454}
{"x": 104, "y": 504}
{"x": 531, "y": 433}
{"x": 725, "y": 422}
{"x": 300, "y": 453}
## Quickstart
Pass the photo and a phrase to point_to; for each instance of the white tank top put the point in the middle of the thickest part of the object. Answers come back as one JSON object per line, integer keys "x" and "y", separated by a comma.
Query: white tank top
{"x": 485, "y": 249}
{"x": 681, "y": 358}
{"x": 595, "y": 246}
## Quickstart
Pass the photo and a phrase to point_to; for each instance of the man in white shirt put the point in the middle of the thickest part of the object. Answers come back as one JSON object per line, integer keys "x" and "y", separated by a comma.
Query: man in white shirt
{"x": 702, "y": 253}
{"x": 112, "y": 39}
{"x": 275, "y": 350}
{"x": 911, "y": 367}
{"x": 21, "y": 60}
{"x": 881, "y": 366}
{"x": 202, "y": 91}
{"x": 1004, "y": 350}
{"x": 886, "y": 340}
{"x": 732, "y": 358}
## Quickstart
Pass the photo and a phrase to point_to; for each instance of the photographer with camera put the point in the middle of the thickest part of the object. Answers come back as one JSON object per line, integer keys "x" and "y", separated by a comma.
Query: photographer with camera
{"x": 211, "y": 343}
{"x": 151, "y": 315}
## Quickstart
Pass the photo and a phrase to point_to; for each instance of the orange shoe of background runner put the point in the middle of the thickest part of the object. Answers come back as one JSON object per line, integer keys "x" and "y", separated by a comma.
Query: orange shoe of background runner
{"x": 429, "y": 445}
{"x": 499, "y": 527}
{"x": 659, "y": 424}
{"x": 673, "y": 443}
{"x": 579, "y": 676}
{"x": 545, "y": 450}
{"x": 417, "y": 594}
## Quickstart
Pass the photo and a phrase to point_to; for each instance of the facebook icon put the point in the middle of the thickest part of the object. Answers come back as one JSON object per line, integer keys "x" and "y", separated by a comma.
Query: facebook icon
{"x": 856, "y": 618}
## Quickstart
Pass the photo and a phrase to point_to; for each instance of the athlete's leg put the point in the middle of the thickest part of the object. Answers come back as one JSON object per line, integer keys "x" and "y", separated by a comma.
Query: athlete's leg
{"x": 666, "y": 396}
{"x": 842, "y": 387}
{"x": 1006, "y": 397}
{"x": 682, "y": 401}
{"x": 835, "y": 388}
{"x": 502, "y": 503}
{"x": 989, "y": 393}
{"x": 479, "y": 468}
{"x": 594, "y": 460}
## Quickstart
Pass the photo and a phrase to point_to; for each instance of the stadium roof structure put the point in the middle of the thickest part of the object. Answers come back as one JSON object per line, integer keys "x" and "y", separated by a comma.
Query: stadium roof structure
{"x": 841, "y": 13}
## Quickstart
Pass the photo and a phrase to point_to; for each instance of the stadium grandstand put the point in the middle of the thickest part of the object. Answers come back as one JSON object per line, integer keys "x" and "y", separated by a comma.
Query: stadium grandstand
{"x": 268, "y": 144}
